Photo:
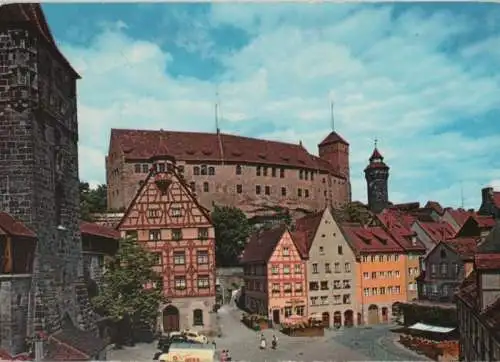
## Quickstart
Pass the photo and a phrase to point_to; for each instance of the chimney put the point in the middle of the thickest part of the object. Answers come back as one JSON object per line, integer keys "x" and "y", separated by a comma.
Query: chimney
{"x": 486, "y": 194}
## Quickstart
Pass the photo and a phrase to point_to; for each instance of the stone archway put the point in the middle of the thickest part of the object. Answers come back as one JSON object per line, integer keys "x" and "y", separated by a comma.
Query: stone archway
{"x": 325, "y": 317}
{"x": 171, "y": 319}
{"x": 348, "y": 318}
{"x": 337, "y": 319}
{"x": 385, "y": 315}
{"x": 373, "y": 317}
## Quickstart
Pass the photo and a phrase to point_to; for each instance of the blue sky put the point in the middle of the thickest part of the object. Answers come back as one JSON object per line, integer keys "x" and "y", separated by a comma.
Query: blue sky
{"x": 422, "y": 78}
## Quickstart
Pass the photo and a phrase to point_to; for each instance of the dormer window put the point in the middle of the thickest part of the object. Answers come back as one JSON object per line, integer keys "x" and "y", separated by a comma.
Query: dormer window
{"x": 413, "y": 240}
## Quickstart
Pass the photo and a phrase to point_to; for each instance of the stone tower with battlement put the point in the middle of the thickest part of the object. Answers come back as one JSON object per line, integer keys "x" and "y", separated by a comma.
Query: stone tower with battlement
{"x": 39, "y": 182}
{"x": 377, "y": 176}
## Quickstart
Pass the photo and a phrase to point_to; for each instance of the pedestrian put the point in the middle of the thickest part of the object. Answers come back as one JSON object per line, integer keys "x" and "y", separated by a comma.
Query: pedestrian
{"x": 263, "y": 342}
{"x": 223, "y": 356}
{"x": 275, "y": 341}
{"x": 228, "y": 356}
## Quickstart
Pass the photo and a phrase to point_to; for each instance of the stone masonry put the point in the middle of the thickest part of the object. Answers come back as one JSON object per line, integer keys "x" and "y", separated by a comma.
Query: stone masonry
{"x": 39, "y": 169}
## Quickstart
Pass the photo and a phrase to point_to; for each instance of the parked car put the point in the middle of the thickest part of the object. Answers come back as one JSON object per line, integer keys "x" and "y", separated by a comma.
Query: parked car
{"x": 195, "y": 336}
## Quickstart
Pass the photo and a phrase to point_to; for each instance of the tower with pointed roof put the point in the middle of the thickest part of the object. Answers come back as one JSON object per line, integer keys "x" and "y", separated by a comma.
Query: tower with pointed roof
{"x": 377, "y": 176}
{"x": 39, "y": 173}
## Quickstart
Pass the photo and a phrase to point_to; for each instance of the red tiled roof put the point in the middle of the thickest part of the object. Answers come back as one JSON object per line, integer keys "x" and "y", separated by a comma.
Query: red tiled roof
{"x": 376, "y": 164}
{"x": 484, "y": 221}
{"x": 464, "y": 246}
{"x": 437, "y": 231}
{"x": 460, "y": 215}
{"x": 436, "y": 206}
{"x": 261, "y": 245}
{"x": 398, "y": 224}
{"x": 90, "y": 228}
{"x": 13, "y": 227}
{"x": 301, "y": 243}
{"x": 370, "y": 239}
{"x": 407, "y": 206}
{"x": 307, "y": 226}
{"x": 333, "y": 137}
{"x": 487, "y": 261}
{"x": 196, "y": 146}
{"x": 376, "y": 155}
{"x": 32, "y": 13}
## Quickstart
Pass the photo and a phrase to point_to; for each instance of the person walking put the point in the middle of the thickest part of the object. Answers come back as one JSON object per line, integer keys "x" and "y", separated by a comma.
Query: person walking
{"x": 228, "y": 356}
{"x": 263, "y": 343}
{"x": 275, "y": 341}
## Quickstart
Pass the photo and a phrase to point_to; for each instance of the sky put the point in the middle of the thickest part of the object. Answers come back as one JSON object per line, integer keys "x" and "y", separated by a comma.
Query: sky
{"x": 421, "y": 78}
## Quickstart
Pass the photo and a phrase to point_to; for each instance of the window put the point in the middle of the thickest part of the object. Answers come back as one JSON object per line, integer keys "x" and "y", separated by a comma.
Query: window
{"x": 321, "y": 250}
{"x": 298, "y": 269}
{"x": 396, "y": 257}
{"x": 205, "y": 187}
{"x": 203, "y": 282}
{"x": 339, "y": 250}
{"x": 179, "y": 258}
{"x": 162, "y": 167}
{"x": 346, "y": 284}
{"x": 298, "y": 287}
{"x": 288, "y": 312}
{"x": 324, "y": 285}
{"x": 299, "y": 192}
{"x": 286, "y": 269}
{"x": 306, "y": 193}
{"x": 264, "y": 171}
{"x": 374, "y": 275}
{"x": 397, "y": 273}
{"x": 203, "y": 170}
{"x": 365, "y": 259}
{"x": 389, "y": 274}
{"x": 238, "y": 169}
{"x": 197, "y": 317}
{"x": 145, "y": 168}
{"x": 257, "y": 170}
{"x": 282, "y": 173}
{"x": 382, "y": 290}
{"x": 257, "y": 189}
{"x": 158, "y": 258}
{"x": 275, "y": 288}
{"x": 192, "y": 185}
{"x": 154, "y": 235}
{"x": 324, "y": 300}
{"x": 301, "y": 175}
{"x": 273, "y": 172}
{"x": 444, "y": 269}
{"x": 176, "y": 234}
{"x": 443, "y": 254}
{"x": 180, "y": 283}
{"x": 327, "y": 268}
{"x": 180, "y": 169}
{"x": 267, "y": 190}
{"x": 211, "y": 171}
{"x": 373, "y": 258}
{"x": 153, "y": 213}
{"x": 433, "y": 268}
{"x": 398, "y": 290}
{"x": 315, "y": 268}
{"x": 314, "y": 300}
{"x": 347, "y": 267}
{"x": 346, "y": 299}
{"x": 196, "y": 170}
{"x": 456, "y": 268}
{"x": 389, "y": 257}
{"x": 202, "y": 233}
{"x": 131, "y": 234}
{"x": 274, "y": 270}
{"x": 366, "y": 275}
{"x": 299, "y": 310}
{"x": 137, "y": 168}
{"x": 283, "y": 191}
{"x": 374, "y": 291}
{"x": 380, "y": 258}
{"x": 176, "y": 212}
{"x": 239, "y": 189}
{"x": 202, "y": 257}
{"x": 337, "y": 299}
{"x": 337, "y": 267}
{"x": 286, "y": 251}
{"x": 287, "y": 288}
{"x": 313, "y": 286}
{"x": 336, "y": 284}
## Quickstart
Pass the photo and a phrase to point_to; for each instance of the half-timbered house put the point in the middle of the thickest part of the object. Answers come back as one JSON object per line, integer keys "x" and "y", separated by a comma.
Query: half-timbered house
{"x": 167, "y": 219}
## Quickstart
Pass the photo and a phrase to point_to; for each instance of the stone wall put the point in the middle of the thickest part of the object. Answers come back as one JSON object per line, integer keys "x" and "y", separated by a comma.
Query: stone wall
{"x": 39, "y": 169}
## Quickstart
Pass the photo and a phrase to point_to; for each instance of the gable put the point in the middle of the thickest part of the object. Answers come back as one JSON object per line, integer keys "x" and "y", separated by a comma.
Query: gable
{"x": 469, "y": 228}
{"x": 436, "y": 256}
{"x": 285, "y": 241}
{"x": 164, "y": 201}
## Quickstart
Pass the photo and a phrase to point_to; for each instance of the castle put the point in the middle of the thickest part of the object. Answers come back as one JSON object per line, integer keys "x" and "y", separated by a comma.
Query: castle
{"x": 254, "y": 175}
{"x": 39, "y": 185}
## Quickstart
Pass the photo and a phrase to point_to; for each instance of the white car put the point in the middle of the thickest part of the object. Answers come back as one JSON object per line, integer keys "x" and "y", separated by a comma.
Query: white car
{"x": 194, "y": 336}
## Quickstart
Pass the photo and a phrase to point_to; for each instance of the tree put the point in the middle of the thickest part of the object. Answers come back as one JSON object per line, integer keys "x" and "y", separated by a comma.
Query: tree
{"x": 231, "y": 233}
{"x": 354, "y": 212}
{"x": 92, "y": 200}
{"x": 132, "y": 291}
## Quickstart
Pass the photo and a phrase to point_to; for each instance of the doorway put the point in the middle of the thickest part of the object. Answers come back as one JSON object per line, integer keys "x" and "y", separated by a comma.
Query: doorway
{"x": 373, "y": 317}
{"x": 171, "y": 319}
{"x": 325, "y": 317}
{"x": 276, "y": 316}
{"x": 348, "y": 318}
{"x": 385, "y": 315}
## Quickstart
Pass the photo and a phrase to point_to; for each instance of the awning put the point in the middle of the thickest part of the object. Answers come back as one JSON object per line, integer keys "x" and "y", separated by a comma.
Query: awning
{"x": 428, "y": 328}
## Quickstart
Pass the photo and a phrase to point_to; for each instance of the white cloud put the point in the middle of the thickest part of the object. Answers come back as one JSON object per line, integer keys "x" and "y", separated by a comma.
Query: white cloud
{"x": 390, "y": 79}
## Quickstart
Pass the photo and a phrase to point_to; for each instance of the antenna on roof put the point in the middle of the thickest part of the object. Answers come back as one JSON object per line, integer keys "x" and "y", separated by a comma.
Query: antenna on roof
{"x": 375, "y": 142}
{"x": 332, "y": 116}
{"x": 461, "y": 194}
{"x": 217, "y": 110}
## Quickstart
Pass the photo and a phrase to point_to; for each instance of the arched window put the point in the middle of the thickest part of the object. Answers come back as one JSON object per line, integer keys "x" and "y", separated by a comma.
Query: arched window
{"x": 204, "y": 169}
{"x": 211, "y": 171}
{"x": 196, "y": 170}
{"x": 238, "y": 169}
{"x": 205, "y": 187}
{"x": 197, "y": 317}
